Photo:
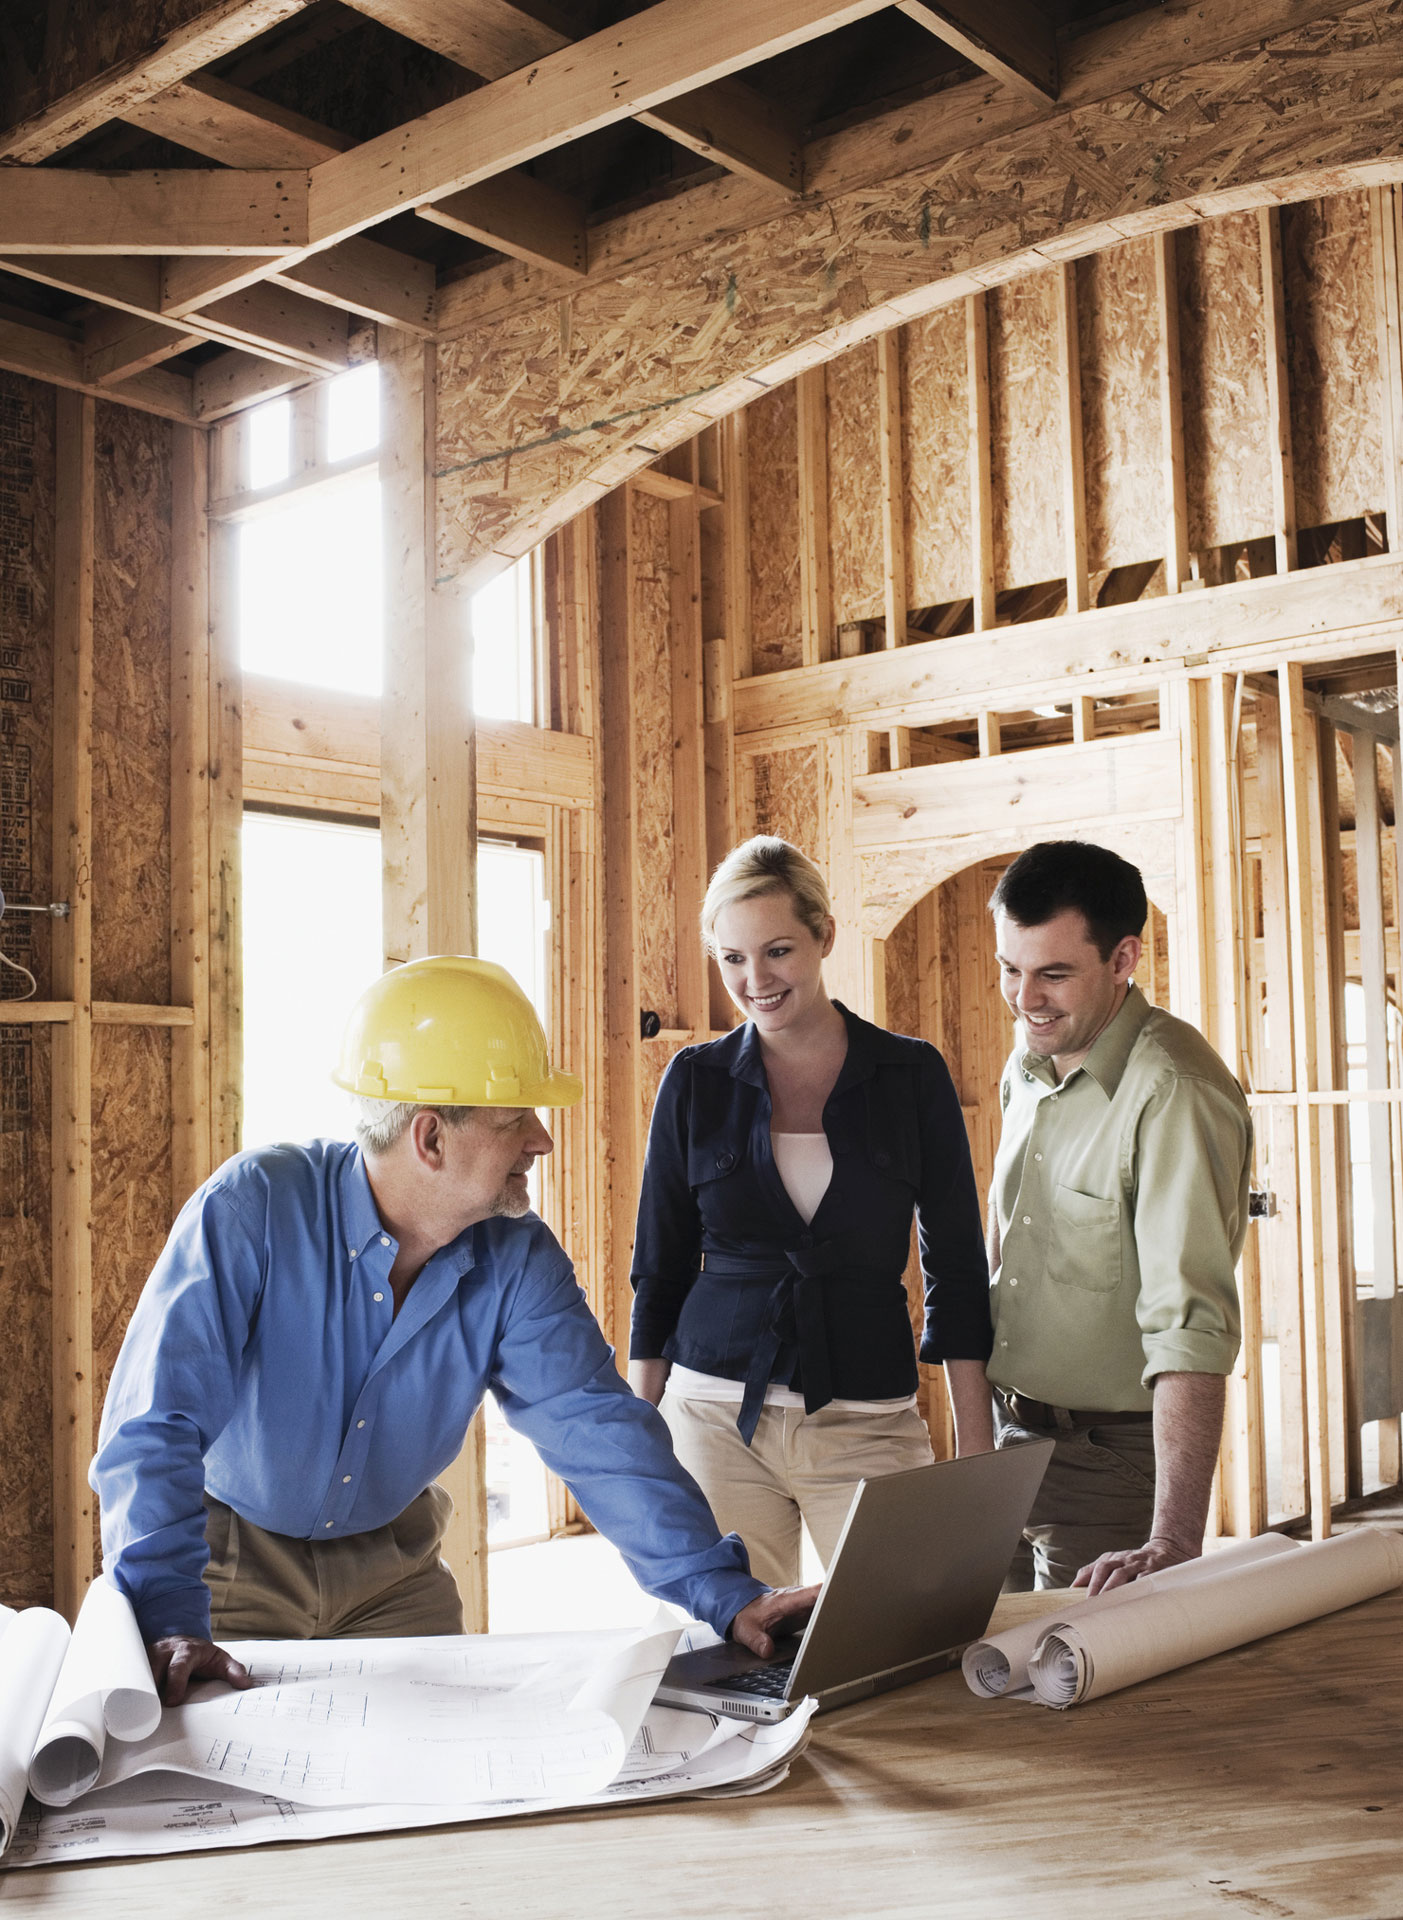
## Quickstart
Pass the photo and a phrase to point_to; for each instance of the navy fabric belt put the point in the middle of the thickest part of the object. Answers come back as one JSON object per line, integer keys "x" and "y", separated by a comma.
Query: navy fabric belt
{"x": 794, "y": 1326}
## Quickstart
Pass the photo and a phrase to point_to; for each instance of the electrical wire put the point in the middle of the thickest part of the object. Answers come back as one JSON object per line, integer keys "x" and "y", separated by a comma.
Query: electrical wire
{"x": 10, "y": 999}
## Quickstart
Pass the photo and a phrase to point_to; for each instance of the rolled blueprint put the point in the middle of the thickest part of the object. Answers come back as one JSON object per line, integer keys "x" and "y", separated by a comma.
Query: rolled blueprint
{"x": 999, "y": 1665}
{"x": 1117, "y": 1646}
{"x": 31, "y": 1653}
{"x": 104, "y": 1686}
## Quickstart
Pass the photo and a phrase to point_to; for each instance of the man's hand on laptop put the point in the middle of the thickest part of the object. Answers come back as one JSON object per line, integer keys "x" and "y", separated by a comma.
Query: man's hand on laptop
{"x": 781, "y": 1611}
{"x": 1119, "y": 1569}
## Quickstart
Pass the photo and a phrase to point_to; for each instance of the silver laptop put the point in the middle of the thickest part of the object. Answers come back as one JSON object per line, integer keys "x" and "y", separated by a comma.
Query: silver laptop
{"x": 914, "y": 1578}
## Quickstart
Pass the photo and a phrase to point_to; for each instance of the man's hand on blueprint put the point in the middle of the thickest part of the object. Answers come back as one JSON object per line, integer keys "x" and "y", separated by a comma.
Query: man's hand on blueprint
{"x": 781, "y": 1611}
{"x": 179, "y": 1659}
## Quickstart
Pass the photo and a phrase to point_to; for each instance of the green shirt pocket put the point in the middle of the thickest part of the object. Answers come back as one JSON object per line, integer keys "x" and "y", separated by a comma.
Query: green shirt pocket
{"x": 1085, "y": 1243}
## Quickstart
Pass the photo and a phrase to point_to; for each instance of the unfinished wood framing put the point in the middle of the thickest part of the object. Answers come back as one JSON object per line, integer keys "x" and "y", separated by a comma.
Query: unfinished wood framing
{"x": 815, "y": 574}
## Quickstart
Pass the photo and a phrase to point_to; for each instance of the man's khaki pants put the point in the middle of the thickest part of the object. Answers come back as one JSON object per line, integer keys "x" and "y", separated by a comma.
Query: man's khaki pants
{"x": 1097, "y": 1496}
{"x": 384, "y": 1584}
{"x": 800, "y": 1468}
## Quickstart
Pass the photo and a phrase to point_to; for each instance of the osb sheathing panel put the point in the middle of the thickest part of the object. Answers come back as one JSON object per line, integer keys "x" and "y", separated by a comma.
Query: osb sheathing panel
{"x": 1024, "y": 427}
{"x": 131, "y": 707}
{"x": 1118, "y": 342}
{"x": 1224, "y": 379}
{"x": 854, "y": 486}
{"x": 654, "y": 1056}
{"x": 652, "y": 748}
{"x": 1336, "y": 423}
{"x": 772, "y": 460}
{"x": 599, "y": 369}
{"x": 131, "y": 1178}
{"x": 903, "y": 987}
{"x": 26, "y": 825}
{"x": 789, "y": 798}
{"x": 935, "y": 458}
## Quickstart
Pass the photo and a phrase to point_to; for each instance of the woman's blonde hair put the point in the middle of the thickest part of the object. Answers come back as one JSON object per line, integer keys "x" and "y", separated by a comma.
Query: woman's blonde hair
{"x": 766, "y": 865}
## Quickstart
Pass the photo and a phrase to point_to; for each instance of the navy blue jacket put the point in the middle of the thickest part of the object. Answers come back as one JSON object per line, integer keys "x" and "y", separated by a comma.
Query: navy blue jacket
{"x": 729, "y": 1280}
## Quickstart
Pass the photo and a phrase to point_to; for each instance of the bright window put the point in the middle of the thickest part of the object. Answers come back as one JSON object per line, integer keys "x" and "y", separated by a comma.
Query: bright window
{"x": 309, "y": 586}
{"x": 504, "y": 645}
{"x": 353, "y": 412}
{"x": 268, "y": 446}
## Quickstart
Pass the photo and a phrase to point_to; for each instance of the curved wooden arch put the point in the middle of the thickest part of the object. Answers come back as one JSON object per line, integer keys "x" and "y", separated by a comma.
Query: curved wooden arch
{"x": 544, "y": 409}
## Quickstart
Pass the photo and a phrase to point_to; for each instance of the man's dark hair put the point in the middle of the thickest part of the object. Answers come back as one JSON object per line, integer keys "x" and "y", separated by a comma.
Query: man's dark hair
{"x": 1061, "y": 875}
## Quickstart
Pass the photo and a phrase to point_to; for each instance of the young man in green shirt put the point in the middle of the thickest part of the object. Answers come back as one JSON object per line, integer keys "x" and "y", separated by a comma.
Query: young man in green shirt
{"x": 1117, "y": 1214}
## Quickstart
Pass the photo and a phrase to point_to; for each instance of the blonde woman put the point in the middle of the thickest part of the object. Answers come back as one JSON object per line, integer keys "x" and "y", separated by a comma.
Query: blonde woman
{"x": 784, "y": 1164}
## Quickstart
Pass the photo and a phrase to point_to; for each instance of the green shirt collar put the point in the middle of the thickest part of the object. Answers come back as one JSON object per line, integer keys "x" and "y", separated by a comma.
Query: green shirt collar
{"x": 1110, "y": 1052}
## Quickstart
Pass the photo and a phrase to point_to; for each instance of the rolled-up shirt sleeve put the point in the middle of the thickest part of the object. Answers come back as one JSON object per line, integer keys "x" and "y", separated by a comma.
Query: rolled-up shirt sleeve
{"x": 557, "y": 1383}
{"x": 1191, "y": 1147}
{"x": 172, "y": 1392}
{"x": 667, "y": 1238}
{"x": 950, "y": 1229}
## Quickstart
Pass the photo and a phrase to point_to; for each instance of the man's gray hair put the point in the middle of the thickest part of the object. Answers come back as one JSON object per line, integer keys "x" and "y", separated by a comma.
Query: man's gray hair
{"x": 377, "y": 1124}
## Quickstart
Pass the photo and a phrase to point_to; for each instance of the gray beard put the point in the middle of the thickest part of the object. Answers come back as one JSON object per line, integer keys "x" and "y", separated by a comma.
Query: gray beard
{"x": 508, "y": 1206}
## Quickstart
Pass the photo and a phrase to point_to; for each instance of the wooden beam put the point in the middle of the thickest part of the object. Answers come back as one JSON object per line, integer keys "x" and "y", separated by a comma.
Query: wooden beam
{"x": 115, "y": 346}
{"x": 990, "y": 734}
{"x": 488, "y": 37}
{"x": 271, "y": 321}
{"x": 735, "y": 491}
{"x": 981, "y": 461}
{"x": 1353, "y": 605}
{"x": 61, "y": 363}
{"x": 1374, "y": 968}
{"x": 72, "y": 1112}
{"x": 815, "y": 576}
{"x": 234, "y": 127}
{"x": 1010, "y": 39}
{"x": 428, "y": 811}
{"x": 60, "y": 210}
{"x": 889, "y": 461}
{"x": 1283, "y": 482}
{"x": 234, "y": 380}
{"x": 560, "y": 98}
{"x": 1073, "y": 463}
{"x": 520, "y": 216}
{"x": 1305, "y": 936}
{"x": 363, "y": 277}
{"x": 1386, "y": 234}
{"x": 689, "y": 848}
{"x": 192, "y": 1128}
{"x": 224, "y": 826}
{"x": 58, "y": 107}
{"x": 738, "y": 128}
{"x": 1171, "y": 413}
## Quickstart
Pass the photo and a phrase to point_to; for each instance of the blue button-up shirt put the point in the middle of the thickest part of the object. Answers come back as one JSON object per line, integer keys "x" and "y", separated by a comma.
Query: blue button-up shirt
{"x": 265, "y": 1363}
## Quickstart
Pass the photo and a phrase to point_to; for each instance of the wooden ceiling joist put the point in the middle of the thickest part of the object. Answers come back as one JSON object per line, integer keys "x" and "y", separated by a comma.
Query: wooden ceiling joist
{"x": 283, "y": 325}
{"x": 373, "y": 281}
{"x": 51, "y": 357}
{"x": 518, "y": 216}
{"x": 1011, "y": 39}
{"x": 159, "y": 46}
{"x": 52, "y": 210}
{"x": 234, "y": 127}
{"x": 115, "y": 346}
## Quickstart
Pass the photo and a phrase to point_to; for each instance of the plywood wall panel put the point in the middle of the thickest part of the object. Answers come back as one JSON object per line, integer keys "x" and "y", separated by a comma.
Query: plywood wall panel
{"x": 652, "y": 747}
{"x": 1025, "y": 432}
{"x": 131, "y": 1178}
{"x": 653, "y": 1062}
{"x": 26, "y": 824}
{"x": 1120, "y": 402}
{"x": 1336, "y": 418}
{"x": 854, "y": 486}
{"x": 902, "y": 966}
{"x": 789, "y": 798}
{"x": 772, "y": 442}
{"x": 1222, "y": 353}
{"x": 935, "y": 458}
{"x": 131, "y": 707}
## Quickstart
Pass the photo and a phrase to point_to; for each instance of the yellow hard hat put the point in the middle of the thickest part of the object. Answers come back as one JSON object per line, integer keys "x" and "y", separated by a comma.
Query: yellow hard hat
{"x": 450, "y": 1032}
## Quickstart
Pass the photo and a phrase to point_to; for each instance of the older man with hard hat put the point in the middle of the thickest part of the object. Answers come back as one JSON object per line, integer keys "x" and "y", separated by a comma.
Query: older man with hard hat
{"x": 320, "y": 1329}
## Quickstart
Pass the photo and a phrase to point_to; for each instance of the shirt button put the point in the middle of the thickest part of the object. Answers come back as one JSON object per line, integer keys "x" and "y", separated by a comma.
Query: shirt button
{"x": 377, "y": 1296}
{"x": 1002, "y": 1343}
{"x": 384, "y": 1239}
{"x": 1037, "y": 1156}
{"x": 332, "y": 1522}
{"x": 359, "y": 1425}
{"x": 352, "y": 1252}
{"x": 882, "y": 1159}
{"x": 345, "y": 1479}
{"x": 1012, "y": 1283}
{"x": 725, "y": 1161}
{"x": 1027, "y": 1219}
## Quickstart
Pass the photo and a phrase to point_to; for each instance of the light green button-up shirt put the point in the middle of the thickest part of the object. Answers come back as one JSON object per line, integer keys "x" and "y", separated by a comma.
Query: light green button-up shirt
{"x": 1122, "y": 1208}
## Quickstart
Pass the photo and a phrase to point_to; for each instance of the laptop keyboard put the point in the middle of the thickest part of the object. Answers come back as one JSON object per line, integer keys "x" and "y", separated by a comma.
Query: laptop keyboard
{"x": 770, "y": 1682}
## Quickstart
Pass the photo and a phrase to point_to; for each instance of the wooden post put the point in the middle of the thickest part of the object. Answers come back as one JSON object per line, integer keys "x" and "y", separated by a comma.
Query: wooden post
{"x": 1283, "y": 480}
{"x": 225, "y": 825}
{"x": 192, "y": 1135}
{"x": 72, "y": 1304}
{"x": 893, "y": 490}
{"x": 1306, "y": 934}
{"x": 1171, "y": 415}
{"x": 815, "y": 577}
{"x": 1073, "y": 461}
{"x": 990, "y": 734}
{"x": 428, "y": 806}
{"x": 1083, "y": 718}
{"x": 1386, "y": 232}
{"x": 981, "y": 482}
{"x": 735, "y": 490}
{"x": 688, "y": 763}
{"x": 621, "y": 1010}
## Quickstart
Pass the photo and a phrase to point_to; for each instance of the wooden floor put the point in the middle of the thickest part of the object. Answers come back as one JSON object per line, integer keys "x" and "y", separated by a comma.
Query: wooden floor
{"x": 1263, "y": 1783}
